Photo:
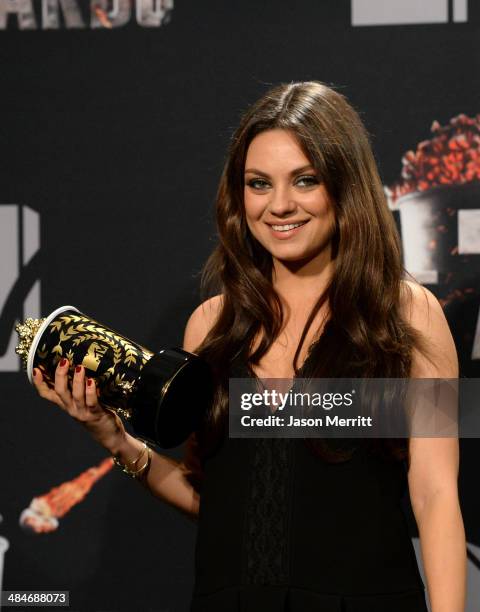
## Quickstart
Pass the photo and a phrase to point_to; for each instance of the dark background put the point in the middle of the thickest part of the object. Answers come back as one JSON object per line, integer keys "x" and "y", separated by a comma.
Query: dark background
{"x": 117, "y": 137}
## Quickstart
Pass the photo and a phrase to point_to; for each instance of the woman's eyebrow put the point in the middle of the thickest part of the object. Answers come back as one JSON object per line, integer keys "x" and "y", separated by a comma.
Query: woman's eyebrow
{"x": 292, "y": 173}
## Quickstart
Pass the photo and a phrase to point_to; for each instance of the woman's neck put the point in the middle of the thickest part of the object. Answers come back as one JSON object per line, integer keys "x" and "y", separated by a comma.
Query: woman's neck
{"x": 300, "y": 285}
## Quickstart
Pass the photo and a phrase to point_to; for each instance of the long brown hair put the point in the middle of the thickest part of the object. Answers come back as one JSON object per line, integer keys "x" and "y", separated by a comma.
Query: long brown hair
{"x": 365, "y": 334}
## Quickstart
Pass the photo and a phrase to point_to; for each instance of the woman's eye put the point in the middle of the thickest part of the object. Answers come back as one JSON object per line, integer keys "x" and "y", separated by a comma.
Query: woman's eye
{"x": 258, "y": 184}
{"x": 307, "y": 181}
{"x": 303, "y": 181}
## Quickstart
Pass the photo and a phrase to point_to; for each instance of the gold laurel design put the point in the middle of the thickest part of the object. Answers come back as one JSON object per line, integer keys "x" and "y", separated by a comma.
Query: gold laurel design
{"x": 88, "y": 331}
{"x": 131, "y": 351}
{"x": 64, "y": 335}
{"x": 43, "y": 352}
{"x": 117, "y": 352}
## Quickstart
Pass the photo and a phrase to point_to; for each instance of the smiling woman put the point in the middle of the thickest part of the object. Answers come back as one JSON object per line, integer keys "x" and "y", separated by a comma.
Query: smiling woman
{"x": 287, "y": 207}
{"x": 307, "y": 278}
{"x": 308, "y": 270}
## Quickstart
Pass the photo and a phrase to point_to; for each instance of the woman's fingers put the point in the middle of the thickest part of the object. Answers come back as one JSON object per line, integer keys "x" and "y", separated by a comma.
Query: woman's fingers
{"x": 85, "y": 408}
{"x": 78, "y": 387}
{"x": 73, "y": 401}
{"x": 44, "y": 390}
{"x": 61, "y": 382}
{"x": 91, "y": 396}
{"x": 81, "y": 402}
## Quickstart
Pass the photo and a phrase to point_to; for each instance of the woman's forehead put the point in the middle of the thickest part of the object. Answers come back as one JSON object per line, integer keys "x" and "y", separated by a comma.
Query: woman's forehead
{"x": 275, "y": 149}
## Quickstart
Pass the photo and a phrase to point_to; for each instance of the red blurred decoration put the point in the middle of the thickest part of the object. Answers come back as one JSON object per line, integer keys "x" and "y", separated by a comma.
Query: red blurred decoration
{"x": 451, "y": 157}
{"x": 43, "y": 512}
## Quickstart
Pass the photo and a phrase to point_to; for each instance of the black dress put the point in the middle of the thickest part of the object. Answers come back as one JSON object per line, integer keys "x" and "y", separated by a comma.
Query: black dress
{"x": 280, "y": 529}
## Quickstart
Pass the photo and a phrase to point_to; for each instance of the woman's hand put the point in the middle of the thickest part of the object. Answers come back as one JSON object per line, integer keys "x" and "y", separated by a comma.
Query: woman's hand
{"x": 82, "y": 404}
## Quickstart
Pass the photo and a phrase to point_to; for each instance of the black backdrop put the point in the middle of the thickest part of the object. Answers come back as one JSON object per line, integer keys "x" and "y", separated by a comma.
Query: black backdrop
{"x": 117, "y": 137}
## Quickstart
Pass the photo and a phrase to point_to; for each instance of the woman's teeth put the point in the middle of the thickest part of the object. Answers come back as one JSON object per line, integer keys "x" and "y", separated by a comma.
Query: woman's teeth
{"x": 285, "y": 228}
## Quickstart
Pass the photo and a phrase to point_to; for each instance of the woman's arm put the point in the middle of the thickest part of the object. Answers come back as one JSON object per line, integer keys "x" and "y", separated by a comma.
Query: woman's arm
{"x": 170, "y": 480}
{"x": 433, "y": 468}
{"x": 166, "y": 477}
{"x": 177, "y": 482}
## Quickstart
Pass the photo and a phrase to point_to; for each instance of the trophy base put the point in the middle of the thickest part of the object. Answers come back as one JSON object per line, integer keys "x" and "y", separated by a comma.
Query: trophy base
{"x": 173, "y": 395}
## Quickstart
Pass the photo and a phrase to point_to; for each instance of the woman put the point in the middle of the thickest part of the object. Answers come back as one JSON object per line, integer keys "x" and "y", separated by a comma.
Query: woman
{"x": 308, "y": 279}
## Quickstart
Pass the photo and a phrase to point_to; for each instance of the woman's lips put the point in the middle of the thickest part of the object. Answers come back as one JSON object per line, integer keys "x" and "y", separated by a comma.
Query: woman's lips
{"x": 283, "y": 235}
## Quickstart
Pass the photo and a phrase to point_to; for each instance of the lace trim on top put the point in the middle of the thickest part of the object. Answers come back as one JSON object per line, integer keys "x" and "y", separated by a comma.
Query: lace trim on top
{"x": 267, "y": 519}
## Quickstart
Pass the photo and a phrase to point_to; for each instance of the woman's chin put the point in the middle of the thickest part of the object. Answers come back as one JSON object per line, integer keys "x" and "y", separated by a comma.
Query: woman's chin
{"x": 300, "y": 258}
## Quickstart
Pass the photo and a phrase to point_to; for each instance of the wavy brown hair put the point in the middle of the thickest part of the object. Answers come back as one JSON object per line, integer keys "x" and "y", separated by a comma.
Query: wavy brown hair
{"x": 365, "y": 334}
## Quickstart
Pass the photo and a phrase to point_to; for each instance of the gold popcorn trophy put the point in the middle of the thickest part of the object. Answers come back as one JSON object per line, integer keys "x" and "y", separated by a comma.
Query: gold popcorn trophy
{"x": 163, "y": 395}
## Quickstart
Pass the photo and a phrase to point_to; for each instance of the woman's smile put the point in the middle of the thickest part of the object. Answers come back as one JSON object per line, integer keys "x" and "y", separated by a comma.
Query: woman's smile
{"x": 287, "y": 207}
{"x": 286, "y": 230}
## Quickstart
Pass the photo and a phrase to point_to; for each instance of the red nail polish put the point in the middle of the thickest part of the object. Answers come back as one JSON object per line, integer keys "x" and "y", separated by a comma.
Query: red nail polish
{"x": 78, "y": 369}
{"x": 63, "y": 362}
{"x": 89, "y": 381}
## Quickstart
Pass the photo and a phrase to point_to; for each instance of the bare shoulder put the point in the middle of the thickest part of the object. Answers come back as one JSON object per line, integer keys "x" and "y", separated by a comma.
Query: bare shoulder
{"x": 422, "y": 310}
{"x": 198, "y": 325}
{"x": 419, "y": 306}
{"x": 201, "y": 321}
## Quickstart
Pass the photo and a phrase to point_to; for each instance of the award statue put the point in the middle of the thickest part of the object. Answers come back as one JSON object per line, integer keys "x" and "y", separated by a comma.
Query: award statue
{"x": 164, "y": 395}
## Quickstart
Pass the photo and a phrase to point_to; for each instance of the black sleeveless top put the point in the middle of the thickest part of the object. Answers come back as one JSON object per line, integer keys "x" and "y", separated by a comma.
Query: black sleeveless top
{"x": 280, "y": 528}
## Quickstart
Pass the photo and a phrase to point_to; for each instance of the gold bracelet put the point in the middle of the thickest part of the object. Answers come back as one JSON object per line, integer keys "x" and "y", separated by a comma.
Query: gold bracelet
{"x": 130, "y": 463}
{"x": 126, "y": 466}
{"x": 144, "y": 448}
{"x": 145, "y": 469}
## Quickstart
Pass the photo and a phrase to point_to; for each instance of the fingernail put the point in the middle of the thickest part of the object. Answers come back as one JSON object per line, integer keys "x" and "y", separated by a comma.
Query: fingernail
{"x": 89, "y": 381}
{"x": 78, "y": 369}
{"x": 34, "y": 372}
{"x": 63, "y": 362}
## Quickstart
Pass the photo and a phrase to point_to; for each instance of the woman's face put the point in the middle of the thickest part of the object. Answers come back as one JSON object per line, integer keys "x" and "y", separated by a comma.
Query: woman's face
{"x": 281, "y": 189}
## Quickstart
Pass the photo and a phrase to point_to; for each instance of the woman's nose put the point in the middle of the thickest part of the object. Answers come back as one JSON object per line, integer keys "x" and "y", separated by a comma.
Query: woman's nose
{"x": 281, "y": 202}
